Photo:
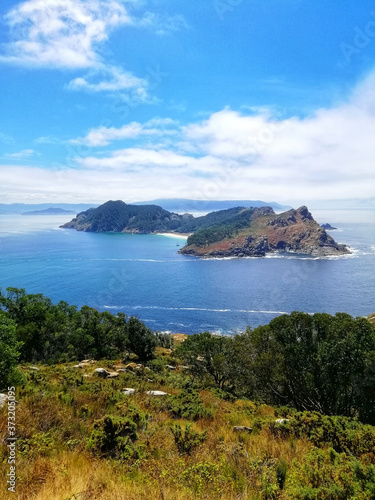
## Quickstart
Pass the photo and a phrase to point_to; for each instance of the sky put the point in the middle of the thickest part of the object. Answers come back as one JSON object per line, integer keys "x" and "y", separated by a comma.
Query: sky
{"x": 206, "y": 99}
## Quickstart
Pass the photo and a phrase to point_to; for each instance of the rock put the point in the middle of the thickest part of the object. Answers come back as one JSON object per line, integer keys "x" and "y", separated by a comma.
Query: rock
{"x": 34, "y": 368}
{"x": 128, "y": 391}
{"x": 3, "y": 400}
{"x": 242, "y": 428}
{"x": 281, "y": 420}
{"x": 77, "y": 366}
{"x": 328, "y": 227}
{"x": 131, "y": 366}
{"x": 101, "y": 372}
{"x": 113, "y": 375}
{"x": 157, "y": 393}
{"x": 122, "y": 370}
{"x": 83, "y": 365}
{"x": 170, "y": 367}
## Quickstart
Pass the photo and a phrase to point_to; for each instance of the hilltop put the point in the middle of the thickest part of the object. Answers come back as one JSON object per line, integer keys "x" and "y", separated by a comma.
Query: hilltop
{"x": 256, "y": 232}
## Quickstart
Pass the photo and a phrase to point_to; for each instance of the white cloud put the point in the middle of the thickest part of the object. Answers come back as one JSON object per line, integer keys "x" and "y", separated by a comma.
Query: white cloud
{"x": 112, "y": 79}
{"x": 69, "y": 34}
{"x": 102, "y": 136}
{"x": 160, "y": 24}
{"x": 328, "y": 155}
{"x": 61, "y": 33}
{"x": 47, "y": 140}
{"x": 26, "y": 153}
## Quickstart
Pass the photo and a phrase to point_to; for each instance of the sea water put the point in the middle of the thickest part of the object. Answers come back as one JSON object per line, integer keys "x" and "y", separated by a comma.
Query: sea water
{"x": 144, "y": 276}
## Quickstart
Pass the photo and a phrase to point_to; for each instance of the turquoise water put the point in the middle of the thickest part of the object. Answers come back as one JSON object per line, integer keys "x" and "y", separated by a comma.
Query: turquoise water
{"x": 143, "y": 275}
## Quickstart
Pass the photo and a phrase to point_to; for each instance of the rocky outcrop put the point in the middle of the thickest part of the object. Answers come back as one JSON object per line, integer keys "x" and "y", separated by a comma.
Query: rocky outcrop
{"x": 328, "y": 227}
{"x": 293, "y": 231}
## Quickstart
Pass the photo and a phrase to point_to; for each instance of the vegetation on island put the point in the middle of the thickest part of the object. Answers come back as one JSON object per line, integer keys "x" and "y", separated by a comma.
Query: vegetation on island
{"x": 237, "y": 231}
{"x": 283, "y": 411}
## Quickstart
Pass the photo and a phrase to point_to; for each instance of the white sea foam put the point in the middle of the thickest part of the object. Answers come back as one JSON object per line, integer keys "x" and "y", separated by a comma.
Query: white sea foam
{"x": 247, "y": 311}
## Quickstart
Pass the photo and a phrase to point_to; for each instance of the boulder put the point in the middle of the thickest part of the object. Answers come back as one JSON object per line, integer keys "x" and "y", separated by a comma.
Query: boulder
{"x": 131, "y": 366}
{"x": 128, "y": 391}
{"x": 242, "y": 428}
{"x": 34, "y": 368}
{"x": 113, "y": 375}
{"x": 157, "y": 393}
{"x": 281, "y": 420}
{"x": 101, "y": 372}
{"x": 3, "y": 399}
{"x": 121, "y": 370}
{"x": 170, "y": 367}
{"x": 83, "y": 364}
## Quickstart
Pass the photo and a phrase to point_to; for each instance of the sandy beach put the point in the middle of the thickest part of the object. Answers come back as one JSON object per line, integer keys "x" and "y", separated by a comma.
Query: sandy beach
{"x": 175, "y": 235}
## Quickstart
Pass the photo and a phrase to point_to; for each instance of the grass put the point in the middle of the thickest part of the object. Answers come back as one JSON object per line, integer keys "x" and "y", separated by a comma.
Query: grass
{"x": 56, "y": 415}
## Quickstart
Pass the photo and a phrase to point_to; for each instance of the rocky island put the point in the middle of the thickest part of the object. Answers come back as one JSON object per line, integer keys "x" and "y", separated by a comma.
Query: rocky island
{"x": 235, "y": 232}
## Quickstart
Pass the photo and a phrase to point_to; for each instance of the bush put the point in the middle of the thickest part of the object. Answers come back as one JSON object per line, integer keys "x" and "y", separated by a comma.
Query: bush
{"x": 9, "y": 352}
{"x": 113, "y": 437}
{"x": 327, "y": 475}
{"x": 187, "y": 439}
{"x": 188, "y": 405}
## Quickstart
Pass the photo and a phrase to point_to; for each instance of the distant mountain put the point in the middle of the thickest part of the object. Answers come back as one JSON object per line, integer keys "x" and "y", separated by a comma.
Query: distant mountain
{"x": 181, "y": 205}
{"x": 20, "y": 208}
{"x": 50, "y": 211}
{"x": 235, "y": 232}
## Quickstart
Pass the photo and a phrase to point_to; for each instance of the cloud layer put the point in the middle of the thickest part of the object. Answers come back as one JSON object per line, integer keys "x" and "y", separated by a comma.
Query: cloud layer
{"x": 229, "y": 155}
{"x": 70, "y": 34}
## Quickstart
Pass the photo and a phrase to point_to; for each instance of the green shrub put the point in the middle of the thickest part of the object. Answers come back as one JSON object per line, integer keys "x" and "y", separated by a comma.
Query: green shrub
{"x": 113, "y": 437}
{"x": 187, "y": 439}
{"x": 188, "y": 405}
{"x": 328, "y": 475}
{"x": 343, "y": 434}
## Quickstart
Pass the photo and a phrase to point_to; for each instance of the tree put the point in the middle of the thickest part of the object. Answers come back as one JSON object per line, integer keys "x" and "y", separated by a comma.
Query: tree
{"x": 141, "y": 340}
{"x": 208, "y": 354}
{"x": 9, "y": 349}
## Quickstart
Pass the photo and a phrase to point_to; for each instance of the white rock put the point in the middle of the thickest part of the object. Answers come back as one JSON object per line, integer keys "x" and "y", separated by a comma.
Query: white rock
{"x": 3, "y": 399}
{"x": 128, "y": 391}
{"x": 157, "y": 393}
{"x": 281, "y": 420}
{"x": 101, "y": 372}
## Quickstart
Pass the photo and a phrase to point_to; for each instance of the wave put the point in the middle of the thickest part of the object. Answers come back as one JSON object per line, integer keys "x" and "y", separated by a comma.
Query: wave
{"x": 163, "y": 308}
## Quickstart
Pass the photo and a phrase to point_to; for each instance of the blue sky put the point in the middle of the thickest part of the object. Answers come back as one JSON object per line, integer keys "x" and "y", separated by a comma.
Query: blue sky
{"x": 215, "y": 99}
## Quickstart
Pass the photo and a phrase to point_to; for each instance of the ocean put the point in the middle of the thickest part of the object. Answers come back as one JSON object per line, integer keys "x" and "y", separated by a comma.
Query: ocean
{"x": 144, "y": 276}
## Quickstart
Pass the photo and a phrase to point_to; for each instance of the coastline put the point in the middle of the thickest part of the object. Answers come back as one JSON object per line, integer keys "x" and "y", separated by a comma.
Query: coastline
{"x": 174, "y": 235}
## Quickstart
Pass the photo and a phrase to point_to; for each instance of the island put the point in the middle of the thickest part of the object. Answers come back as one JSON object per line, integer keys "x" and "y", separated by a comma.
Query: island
{"x": 328, "y": 227}
{"x": 235, "y": 232}
{"x": 50, "y": 211}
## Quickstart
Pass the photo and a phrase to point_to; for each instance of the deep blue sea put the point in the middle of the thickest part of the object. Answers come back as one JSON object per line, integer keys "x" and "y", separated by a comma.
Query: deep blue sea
{"x": 142, "y": 275}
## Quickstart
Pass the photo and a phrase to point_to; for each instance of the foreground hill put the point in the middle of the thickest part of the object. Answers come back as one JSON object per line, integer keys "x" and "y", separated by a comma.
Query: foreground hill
{"x": 115, "y": 411}
{"x": 235, "y": 232}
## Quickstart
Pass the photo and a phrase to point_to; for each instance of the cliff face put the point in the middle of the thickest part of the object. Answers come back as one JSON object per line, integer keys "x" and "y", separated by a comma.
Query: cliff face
{"x": 292, "y": 231}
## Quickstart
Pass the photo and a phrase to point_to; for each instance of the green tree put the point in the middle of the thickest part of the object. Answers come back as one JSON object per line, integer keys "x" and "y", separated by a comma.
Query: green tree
{"x": 209, "y": 355}
{"x": 141, "y": 340}
{"x": 9, "y": 349}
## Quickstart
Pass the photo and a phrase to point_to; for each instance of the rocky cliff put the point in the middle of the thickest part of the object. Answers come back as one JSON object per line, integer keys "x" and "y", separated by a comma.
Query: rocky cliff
{"x": 292, "y": 231}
